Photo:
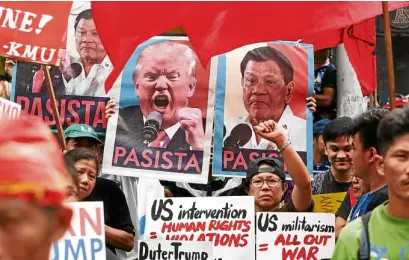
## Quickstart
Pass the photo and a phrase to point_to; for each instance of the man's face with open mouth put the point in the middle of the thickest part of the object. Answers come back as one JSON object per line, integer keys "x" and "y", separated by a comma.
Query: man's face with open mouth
{"x": 163, "y": 83}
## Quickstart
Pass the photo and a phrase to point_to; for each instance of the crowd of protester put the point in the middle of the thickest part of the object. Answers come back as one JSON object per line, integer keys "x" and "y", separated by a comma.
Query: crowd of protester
{"x": 366, "y": 156}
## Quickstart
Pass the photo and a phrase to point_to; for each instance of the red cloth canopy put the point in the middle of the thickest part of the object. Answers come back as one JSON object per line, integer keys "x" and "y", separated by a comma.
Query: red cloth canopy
{"x": 218, "y": 27}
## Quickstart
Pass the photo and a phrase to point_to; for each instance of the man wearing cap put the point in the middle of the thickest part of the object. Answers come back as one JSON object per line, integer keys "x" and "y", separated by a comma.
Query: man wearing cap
{"x": 266, "y": 176}
{"x": 82, "y": 136}
{"x": 320, "y": 158}
{"x": 32, "y": 190}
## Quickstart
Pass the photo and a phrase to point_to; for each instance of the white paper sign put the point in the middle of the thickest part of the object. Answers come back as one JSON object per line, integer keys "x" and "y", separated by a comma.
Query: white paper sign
{"x": 171, "y": 250}
{"x": 289, "y": 236}
{"x": 9, "y": 110}
{"x": 227, "y": 222}
{"x": 85, "y": 240}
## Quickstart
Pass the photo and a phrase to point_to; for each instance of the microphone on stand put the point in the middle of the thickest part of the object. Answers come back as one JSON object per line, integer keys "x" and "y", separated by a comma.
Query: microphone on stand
{"x": 239, "y": 136}
{"x": 151, "y": 127}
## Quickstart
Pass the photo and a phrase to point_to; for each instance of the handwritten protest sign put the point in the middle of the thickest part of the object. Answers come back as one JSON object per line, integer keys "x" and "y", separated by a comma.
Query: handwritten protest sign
{"x": 290, "y": 236}
{"x": 85, "y": 239}
{"x": 8, "y": 109}
{"x": 171, "y": 250}
{"x": 328, "y": 203}
{"x": 249, "y": 90}
{"x": 227, "y": 222}
{"x": 33, "y": 32}
{"x": 163, "y": 129}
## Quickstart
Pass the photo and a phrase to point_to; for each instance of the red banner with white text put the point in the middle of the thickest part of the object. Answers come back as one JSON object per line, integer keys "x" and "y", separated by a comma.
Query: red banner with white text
{"x": 33, "y": 32}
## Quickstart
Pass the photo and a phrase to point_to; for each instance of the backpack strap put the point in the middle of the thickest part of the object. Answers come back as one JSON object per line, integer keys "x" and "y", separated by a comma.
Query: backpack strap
{"x": 364, "y": 247}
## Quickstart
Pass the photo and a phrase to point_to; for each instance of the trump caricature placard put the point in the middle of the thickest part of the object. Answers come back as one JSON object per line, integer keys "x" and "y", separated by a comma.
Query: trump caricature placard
{"x": 163, "y": 128}
{"x": 256, "y": 83}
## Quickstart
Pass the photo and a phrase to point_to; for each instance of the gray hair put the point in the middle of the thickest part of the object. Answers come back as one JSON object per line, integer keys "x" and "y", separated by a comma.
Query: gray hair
{"x": 168, "y": 46}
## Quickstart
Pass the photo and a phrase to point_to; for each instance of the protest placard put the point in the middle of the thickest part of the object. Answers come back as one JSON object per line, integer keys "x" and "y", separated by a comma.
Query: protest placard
{"x": 172, "y": 250}
{"x": 260, "y": 82}
{"x": 164, "y": 126}
{"x": 72, "y": 109}
{"x": 9, "y": 110}
{"x": 290, "y": 236}
{"x": 328, "y": 203}
{"x": 33, "y": 32}
{"x": 85, "y": 239}
{"x": 227, "y": 222}
{"x": 78, "y": 83}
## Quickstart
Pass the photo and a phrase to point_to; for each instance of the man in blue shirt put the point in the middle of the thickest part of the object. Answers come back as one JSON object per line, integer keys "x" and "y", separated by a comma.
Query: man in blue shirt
{"x": 365, "y": 151}
{"x": 321, "y": 163}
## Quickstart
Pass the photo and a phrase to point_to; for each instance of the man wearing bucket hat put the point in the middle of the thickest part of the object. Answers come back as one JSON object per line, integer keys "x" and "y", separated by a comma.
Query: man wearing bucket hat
{"x": 266, "y": 176}
{"x": 32, "y": 190}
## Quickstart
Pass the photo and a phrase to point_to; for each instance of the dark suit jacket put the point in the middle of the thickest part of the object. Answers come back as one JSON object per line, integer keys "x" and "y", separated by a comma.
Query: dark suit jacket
{"x": 129, "y": 129}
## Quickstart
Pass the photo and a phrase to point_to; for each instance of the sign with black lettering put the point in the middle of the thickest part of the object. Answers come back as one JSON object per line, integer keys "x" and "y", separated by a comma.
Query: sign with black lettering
{"x": 329, "y": 202}
{"x": 171, "y": 250}
{"x": 290, "y": 236}
{"x": 227, "y": 222}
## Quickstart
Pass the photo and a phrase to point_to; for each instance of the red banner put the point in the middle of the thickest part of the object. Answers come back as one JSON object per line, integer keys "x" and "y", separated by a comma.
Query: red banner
{"x": 217, "y": 27}
{"x": 33, "y": 32}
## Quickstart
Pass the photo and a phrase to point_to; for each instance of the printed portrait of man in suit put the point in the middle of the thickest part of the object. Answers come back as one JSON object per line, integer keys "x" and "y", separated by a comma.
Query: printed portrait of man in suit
{"x": 164, "y": 79}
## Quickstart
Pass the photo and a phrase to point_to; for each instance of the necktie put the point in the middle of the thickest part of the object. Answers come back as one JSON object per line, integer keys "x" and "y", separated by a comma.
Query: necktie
{"x": 161, "y": 137}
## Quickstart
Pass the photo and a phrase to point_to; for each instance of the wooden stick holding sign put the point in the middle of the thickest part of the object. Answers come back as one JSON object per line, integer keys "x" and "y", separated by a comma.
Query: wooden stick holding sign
{"x": 389, "y": 55}
{"x": 54, "y": 106}
{"x": 2, "y": 66}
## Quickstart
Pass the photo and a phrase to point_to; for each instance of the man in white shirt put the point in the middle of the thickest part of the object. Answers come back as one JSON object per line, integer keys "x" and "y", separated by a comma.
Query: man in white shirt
{"x": 83, "y": 76}
{"x": 164, "y": 80}
{"x": 93, "y": 60}
{"x": 268, "y": 86}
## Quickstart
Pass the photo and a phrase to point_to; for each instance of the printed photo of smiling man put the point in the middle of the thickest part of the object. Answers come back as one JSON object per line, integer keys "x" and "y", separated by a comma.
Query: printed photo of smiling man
{"x": 162, "y": 118}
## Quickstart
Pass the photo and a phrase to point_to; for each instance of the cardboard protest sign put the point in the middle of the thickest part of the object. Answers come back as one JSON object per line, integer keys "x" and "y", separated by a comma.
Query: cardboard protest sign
{"x": 165, "y": 121}
{"x": 171, "y": 250}
{"x": 9, "y": 110}
{"x": 33, "y": 32}
{"x": 227, "y": 222}
{"x": 260, "y": 82}
{"x": 328, "y": 203}
{"x": 78, "y": 82}
{"x": 85, "y": 239}
{"x": 289, "y": 236}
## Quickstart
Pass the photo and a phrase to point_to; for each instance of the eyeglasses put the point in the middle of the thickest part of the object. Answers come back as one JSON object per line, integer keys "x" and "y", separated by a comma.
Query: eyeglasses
{"x": 355, "y": 177}
{"x": 257, "y": 183}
